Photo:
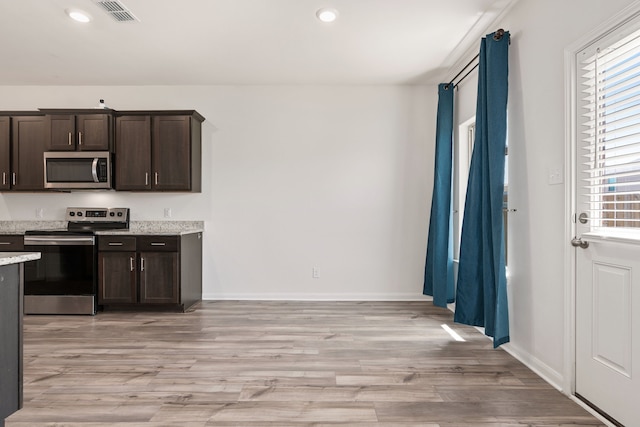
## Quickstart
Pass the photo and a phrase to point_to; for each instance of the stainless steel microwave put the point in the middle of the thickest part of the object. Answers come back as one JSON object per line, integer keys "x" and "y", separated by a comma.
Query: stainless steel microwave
{"x": 75, "y": 170}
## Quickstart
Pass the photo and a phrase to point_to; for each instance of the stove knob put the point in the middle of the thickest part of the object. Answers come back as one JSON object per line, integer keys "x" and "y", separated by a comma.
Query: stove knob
{"x": 112, "y": 214}
{"x": 79, "y": 213}
{"x": 119, "y": 213}
{"x": 72, "y": 214}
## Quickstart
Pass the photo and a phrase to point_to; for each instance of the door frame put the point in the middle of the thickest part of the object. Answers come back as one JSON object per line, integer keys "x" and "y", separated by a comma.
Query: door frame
{"x": 571, "y": 184}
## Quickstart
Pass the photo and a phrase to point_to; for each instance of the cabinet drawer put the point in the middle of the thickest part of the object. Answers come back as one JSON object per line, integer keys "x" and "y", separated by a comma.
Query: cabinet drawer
{"x": 11, "y": 243}
{"x": 116, "y": 243}
{"x": 158, "y": 243}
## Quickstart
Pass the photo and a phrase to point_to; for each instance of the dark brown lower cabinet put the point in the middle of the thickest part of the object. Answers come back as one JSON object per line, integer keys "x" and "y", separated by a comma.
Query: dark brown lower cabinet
{"x": 118, "y": 278}
{"x": 159, "y": 278}
{"x": 10, "y": 340}
{"x": 138, "y": 272}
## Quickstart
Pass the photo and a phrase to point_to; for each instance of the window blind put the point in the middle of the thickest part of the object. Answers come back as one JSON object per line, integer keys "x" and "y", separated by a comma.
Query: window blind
{"x": 610, "y": 132}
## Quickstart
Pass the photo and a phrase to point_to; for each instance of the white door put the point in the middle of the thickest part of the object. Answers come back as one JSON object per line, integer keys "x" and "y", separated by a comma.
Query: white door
{"x": 607, "y": 165}
{"x": 607, "y": 332}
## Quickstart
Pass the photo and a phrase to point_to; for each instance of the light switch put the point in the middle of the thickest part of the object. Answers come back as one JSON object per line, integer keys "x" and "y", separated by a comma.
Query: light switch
{"x": 555, "y": 175}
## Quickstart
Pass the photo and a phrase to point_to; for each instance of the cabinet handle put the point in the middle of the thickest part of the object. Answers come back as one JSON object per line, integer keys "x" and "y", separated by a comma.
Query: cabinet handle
{"x": 116, "y": 243}
{"x": 14, "y": 178}
{"x": 156, "y": 178}
{"x": 70, "y": 138}
{"x": 158, "y": 243}
{"x": 79, "y": 138}
{"x": 4, "y": 178}
{"x": 131, "y": 263}
{"x": 5, "y": 243}
{"x": 141, "y": 264}
{"x": 146, "y": 178}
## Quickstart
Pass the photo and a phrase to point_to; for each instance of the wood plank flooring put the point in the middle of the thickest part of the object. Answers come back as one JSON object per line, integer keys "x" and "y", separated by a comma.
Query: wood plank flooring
{"x": 267, "y": 363}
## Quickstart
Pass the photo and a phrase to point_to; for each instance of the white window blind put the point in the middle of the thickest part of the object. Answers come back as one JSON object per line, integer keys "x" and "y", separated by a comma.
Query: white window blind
{"x": 610, "y": 131}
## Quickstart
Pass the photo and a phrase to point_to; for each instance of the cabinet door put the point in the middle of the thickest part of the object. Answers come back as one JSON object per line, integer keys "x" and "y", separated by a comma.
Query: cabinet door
{"x": 133, "y": 153}
{"x": 159, "y": 277}
{"x": 62, "y": 131}
{"x": 5, "y": 152}
{"x": 93, "y": 132}
{"x": 116, "y": 277}
{"x": 28, "y": 146}
{"x": 171, "y": 153}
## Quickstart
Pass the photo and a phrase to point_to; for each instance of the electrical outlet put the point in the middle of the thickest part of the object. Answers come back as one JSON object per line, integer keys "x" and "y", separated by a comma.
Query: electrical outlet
{"x": 167, "y": 212}
{"x": 40, "y": 213}
{"x": 315, "y": 272}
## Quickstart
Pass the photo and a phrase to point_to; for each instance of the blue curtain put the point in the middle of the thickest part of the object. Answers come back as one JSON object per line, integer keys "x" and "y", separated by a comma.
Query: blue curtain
{"x": 481, "y": 294}
{"x": 438, "y": 272}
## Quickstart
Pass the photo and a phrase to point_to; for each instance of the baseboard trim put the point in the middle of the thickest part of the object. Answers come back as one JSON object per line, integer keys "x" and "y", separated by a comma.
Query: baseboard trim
{"x": 541, "y": 369}
{"x": 315, "y": 297}
{"x": 553, "y": 377}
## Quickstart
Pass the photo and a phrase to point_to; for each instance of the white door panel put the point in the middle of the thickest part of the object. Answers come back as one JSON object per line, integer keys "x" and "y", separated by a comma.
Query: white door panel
{"x": 607, "y": 333}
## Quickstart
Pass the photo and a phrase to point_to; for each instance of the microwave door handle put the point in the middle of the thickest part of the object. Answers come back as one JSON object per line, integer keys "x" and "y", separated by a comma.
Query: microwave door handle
{"x": 94, "y": 169}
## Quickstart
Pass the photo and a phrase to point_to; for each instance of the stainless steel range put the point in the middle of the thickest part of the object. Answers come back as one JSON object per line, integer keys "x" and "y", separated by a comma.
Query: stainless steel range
{"x": 64, "y": 279}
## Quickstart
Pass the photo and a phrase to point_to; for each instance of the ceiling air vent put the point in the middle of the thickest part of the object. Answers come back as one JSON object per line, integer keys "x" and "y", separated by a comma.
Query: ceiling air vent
{"x": 117, "y": 10}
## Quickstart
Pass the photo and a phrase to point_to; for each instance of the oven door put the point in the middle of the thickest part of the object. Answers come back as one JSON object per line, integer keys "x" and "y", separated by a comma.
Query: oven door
{"x": 63, "y": 280}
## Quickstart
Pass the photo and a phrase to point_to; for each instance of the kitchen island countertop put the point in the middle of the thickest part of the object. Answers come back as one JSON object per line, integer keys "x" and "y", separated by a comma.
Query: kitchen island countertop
{"x": 7, "y": 258}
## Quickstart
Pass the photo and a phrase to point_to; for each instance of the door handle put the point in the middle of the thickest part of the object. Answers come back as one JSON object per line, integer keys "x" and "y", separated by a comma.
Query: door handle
{"x": 131, "y": 263}
{"x": 579, "y": 243}
{"x": 13, "y": 176}
{"x": 4, "y": 178}
{"x": 141, "y": 264}
{"x": 70, "y": 138}
{"x": 79, "y": 138}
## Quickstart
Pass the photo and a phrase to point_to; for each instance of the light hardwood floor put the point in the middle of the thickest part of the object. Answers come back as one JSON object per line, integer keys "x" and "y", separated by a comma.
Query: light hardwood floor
{"x": 231, "y": 363}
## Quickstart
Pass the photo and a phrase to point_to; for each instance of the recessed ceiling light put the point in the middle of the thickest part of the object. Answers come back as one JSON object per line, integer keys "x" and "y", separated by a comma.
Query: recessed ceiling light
{"x": 327, "y": 15}
{"x": 78, "y": 15}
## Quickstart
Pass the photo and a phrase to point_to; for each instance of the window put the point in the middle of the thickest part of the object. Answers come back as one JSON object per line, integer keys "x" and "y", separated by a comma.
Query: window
{"x": 609, "y": 125}
{"x": 466, "y": 135}
{"x": 464, "y": 150}
{"x": 463, "y": 147}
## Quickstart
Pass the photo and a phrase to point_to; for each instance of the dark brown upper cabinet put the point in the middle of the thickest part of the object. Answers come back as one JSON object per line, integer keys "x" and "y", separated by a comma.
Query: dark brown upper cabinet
{"x": 133, "y": 153}
{"x": 5, "y": 152}
{"x": 81, "y": 131}
{"x": 158, "y": 151}
{"x": 28, "y": 142}
{"x": 153, "y": 150}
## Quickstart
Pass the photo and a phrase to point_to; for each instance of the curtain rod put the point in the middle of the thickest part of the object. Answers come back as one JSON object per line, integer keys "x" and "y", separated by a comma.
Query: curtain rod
{"x": 496, "y": 36}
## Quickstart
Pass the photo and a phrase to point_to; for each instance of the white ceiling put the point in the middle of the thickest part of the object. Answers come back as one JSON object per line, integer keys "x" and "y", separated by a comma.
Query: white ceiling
{"x": 208, "y": 42}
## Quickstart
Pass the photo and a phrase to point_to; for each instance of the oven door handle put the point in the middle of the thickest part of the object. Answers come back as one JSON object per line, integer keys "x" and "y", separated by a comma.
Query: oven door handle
{"x": 59, "y": 241}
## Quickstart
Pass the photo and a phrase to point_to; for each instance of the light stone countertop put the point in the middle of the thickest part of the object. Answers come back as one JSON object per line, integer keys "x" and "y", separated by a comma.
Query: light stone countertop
{"x": 158, "y": 228}
{"x": 168, "y": 228}
{"x": 7, "y": 258}
{"x": 19, "y": 227}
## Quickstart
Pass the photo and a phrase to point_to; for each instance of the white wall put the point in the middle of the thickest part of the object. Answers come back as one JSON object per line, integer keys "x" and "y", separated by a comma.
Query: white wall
{"x": 294, "y": 177}
{"x": 540, "y": 32}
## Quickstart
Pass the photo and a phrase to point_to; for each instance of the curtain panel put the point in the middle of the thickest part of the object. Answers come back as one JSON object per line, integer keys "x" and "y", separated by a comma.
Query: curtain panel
{"x": 481, "y": 291}
{"x": 438, "y": 274}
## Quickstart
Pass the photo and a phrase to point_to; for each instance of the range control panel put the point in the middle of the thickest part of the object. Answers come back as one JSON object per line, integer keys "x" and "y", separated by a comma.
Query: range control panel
{"x": 97, "y": 215}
